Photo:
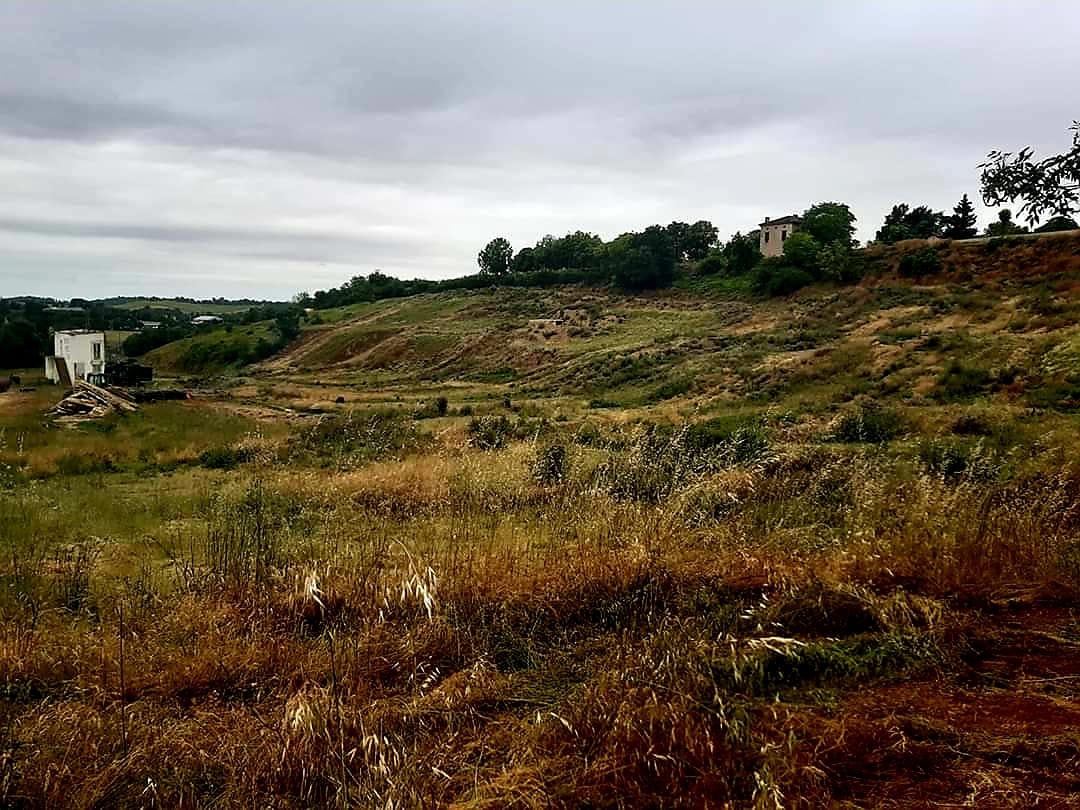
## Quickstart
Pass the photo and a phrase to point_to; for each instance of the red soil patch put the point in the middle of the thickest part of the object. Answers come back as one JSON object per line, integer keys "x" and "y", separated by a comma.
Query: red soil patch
{"x": 1004, "y": 732}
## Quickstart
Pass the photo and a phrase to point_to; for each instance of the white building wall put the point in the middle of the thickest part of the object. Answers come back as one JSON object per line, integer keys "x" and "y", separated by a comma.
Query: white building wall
{"x": 84, "y": 353}
{"x": 772, "y": 238}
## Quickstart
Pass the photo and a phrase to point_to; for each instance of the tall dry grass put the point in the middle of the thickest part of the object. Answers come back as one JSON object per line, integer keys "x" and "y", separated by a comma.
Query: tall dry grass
{"x": 452, "y": 629}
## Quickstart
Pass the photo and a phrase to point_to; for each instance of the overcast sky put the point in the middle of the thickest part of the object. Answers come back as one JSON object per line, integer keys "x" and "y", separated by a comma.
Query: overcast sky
{"x": 263, "y": 148}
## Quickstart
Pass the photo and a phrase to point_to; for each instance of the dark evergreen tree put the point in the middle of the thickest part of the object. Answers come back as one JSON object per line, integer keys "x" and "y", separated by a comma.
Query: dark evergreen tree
{"x": 961, "y": 225}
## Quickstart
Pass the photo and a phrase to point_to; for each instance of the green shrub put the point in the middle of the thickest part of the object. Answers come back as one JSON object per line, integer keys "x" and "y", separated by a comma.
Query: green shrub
{"x": 670, "y": 390}
{"x": 551, "y": 466}
{"x": 430, "y": 410}
{"x": 972, "y": 425}
{"x": 352, "y": 439}
{"x": 953, "y": 460}
{"x": 802, "y": 250}
{"x": 224, "y": 457}
{"x": 959, "y": 381}
{"x": 873, "y": 425}
{"x": 741, "y": 439}
{"x": 925, "y": 261}
{"x": 1060, "y": 395}
{"x": 76, "y": 463}
{"x": 773, "y": 277}
{"x": 490, "y": 432}
{"x": 713, "y": 264}
{"x": 835, "y": 263}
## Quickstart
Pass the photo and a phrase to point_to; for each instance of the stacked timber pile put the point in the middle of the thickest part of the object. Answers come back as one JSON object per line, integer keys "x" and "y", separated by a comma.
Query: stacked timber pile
{"x": 89, "y": 401}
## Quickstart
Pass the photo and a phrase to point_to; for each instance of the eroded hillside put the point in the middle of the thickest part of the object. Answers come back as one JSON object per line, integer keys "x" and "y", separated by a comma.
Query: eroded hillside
{"x": 1000, "y": 321}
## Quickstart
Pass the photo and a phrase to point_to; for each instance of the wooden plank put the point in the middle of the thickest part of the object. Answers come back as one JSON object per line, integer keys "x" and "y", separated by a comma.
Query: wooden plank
{"x": 62, "y": 370}
{"x": 106, "y": 397}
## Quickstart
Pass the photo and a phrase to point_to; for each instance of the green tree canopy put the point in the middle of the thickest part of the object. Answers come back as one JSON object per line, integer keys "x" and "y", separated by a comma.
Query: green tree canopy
{"x": 905, "y": 222}
{"x": 494, "y": 259}
{"x": 20, "y": 344}
{"x": 1058, "y": 224}
{"x": 801, "y": 250}
{"x": 1047, "y": 186}
{"x": 641, "y": 261}
{"x": 742, "y": 253}
{"x": 692, "y": 243}
{"x": 829, "y": 222}
{"x": 961, "y": 224}
{"x": 1005, "y": 225}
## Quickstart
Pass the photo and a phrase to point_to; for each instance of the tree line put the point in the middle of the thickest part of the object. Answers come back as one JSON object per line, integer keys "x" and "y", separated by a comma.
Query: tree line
{"x": 922, "y": 222}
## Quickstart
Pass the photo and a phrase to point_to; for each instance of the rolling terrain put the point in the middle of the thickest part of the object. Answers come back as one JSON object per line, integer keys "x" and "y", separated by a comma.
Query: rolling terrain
{"x": 569, "y": 547}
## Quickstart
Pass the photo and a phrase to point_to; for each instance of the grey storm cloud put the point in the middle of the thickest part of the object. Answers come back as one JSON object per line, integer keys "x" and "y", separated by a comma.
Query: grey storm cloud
{"x": 268, "y": 147}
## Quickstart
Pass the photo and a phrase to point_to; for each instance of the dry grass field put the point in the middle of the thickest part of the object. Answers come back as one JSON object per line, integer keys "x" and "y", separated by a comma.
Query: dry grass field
{"x": 569, "y": 548}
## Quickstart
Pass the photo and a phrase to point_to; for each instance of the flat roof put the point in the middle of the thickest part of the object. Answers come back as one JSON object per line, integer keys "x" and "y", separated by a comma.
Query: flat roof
{"x": 790, "y": 219}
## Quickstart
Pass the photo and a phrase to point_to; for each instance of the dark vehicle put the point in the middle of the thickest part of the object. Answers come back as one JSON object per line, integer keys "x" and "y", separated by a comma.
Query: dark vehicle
{"x": 127, "y": 372}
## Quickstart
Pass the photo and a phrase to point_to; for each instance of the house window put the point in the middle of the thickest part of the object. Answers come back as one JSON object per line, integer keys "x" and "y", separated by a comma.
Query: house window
{"x": 766, "y": 237}
{"x": 97, "y": 351}
{"x": 783, "y": 236}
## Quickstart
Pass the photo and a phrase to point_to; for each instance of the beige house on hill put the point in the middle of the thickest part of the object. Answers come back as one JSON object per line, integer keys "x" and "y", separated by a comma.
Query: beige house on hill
{"x": 774, "y": 232}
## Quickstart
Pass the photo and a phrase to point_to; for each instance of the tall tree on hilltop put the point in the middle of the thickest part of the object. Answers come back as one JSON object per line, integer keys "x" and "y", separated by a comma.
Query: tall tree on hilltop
{"x": 701, "y": 237}
{"x": 642, "y": 261}
{"x": 830, "y": 222}
{"x": 692, "y": 243}
{"x": 1005, "y": 225}
{"x": 1048, "y": 186}
{"x": 742, "y": 253}
{"x": 494, "y": 259}
{"x": 961, "y": 224}
{"x": 905, "y": 222}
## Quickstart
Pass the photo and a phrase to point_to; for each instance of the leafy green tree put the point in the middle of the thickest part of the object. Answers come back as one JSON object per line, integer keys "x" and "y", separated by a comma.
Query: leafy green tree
{"x": 641, "y": 261}
{"x": 702, "y": 238}
{"x": 677, "y": 232}
{"x": 288, "y": 325}
{"x": 904, "y": 222}
{"x": 20, "y": 344}
{"x": 742, "y": 253}
{"x": 829, "y": 222}
{"x": 961, "y": 224}
{"x": 801, "y": 250}
{"x": 1058, "y": 224}
{"x": 1047, "y": 186}
{"x": 579, "y": 250}
{"x": 1005, "y": 225}
{"x": 713, "y": 264}
{"x": 692, "y": 243}
{"x": 835, "y": 263}
{"x": 524, "y": 261}
{"x": 494, "y": 259}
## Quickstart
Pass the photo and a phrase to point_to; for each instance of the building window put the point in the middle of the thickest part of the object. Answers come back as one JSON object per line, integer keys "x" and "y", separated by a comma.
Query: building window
{"x": 783, "y": 236}
{"x": 97, "y": 351}
{"x": 766, "y": 237}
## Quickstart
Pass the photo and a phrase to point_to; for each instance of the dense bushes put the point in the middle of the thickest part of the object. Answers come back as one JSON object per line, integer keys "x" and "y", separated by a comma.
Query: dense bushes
{"x": 490, "y": 432}
{"x": 925, "y": 261}
{"x": 774, "y": 277}
{"x": 20, "y": 344}
{"x": 354, "y": 439}
{"x": 874, "y": 425}
{"x": 225, "y": 457}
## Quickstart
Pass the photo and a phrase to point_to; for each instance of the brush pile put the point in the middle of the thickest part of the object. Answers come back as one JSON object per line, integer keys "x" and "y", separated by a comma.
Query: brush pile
{"x": 89, "y": 401}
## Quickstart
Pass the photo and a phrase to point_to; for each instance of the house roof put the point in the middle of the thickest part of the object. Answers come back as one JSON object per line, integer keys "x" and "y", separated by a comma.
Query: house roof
{"x": 791, "y": 219}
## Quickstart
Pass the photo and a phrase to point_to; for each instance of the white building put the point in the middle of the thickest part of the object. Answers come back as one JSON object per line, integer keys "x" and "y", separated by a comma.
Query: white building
{"x": 774, "y": 232}
{"x": 202, "y": 320}
{"x": 78, "y": 354}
